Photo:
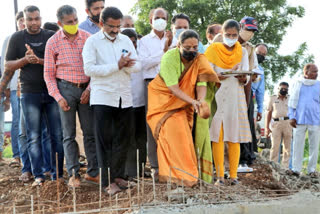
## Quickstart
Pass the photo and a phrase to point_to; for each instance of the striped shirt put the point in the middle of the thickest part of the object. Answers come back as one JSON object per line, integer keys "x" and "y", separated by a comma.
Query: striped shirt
{"x": 63, "y": 60}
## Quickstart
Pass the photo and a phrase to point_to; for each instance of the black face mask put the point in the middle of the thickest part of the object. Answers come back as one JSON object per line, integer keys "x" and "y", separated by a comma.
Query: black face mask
{"x": 260, "y": 58}
{"x": 189, "y": 55}
{"x": 283, "y": 92}
{"x": 96, "y": 18}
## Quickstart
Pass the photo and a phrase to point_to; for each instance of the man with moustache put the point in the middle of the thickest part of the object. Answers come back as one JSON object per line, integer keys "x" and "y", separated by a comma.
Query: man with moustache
{"x": 110, "y": 95}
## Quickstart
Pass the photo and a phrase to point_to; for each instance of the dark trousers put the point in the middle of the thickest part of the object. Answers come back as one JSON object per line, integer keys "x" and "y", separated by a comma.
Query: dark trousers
{"x": 152, "y": 145}
{"x": 112, "y": 134}
{"x": 73, "y": 94}
{"x": 247, "y": 150}
{"x": 138, "y": 141}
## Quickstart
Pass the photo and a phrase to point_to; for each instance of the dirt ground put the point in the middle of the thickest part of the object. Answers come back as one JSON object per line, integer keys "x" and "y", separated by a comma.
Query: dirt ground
{"x": 266, "y": 182}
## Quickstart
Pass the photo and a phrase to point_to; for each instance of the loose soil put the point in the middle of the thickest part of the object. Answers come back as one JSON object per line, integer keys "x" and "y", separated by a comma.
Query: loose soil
{"x": 266, "y": 182}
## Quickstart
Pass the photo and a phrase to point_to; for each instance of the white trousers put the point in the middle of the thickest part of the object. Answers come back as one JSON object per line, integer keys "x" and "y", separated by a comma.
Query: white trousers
{"x": 299, "y": 135}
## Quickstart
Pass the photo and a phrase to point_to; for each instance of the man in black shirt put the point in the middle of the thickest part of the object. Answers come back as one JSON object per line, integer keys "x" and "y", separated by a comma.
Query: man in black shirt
{"x": 26, "y": 52}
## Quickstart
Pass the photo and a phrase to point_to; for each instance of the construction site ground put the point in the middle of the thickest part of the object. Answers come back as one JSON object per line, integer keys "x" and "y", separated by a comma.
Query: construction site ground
{"x": 267, "y": 183}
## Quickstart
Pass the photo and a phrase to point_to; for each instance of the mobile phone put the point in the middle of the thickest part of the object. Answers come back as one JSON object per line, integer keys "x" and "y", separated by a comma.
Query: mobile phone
{"x": 125, "y": 52}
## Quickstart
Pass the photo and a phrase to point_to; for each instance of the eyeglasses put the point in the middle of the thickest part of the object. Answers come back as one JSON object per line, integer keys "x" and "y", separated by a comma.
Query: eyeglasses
{"x": 112, "y": 26}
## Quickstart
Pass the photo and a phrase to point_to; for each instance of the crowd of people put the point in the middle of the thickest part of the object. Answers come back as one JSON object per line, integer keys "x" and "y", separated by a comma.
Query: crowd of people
{"x": 100, "y": 91}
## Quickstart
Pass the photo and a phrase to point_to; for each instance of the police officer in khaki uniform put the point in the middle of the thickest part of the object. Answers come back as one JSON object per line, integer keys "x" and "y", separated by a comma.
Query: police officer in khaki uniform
{"x": 277, "y": 110}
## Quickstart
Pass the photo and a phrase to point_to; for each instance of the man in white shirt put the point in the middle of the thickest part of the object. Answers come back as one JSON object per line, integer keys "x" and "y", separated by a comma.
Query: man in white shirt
{"x": 151, "y": 48}
{"x": 109, "y": 59}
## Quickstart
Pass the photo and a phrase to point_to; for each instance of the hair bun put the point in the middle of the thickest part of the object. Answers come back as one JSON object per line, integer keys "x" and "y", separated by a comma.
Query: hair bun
{"x": 204, "y": 111}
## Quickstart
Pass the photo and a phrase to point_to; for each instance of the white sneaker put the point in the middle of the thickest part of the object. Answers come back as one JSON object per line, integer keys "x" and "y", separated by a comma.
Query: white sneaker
{"x": 243, "y": 168}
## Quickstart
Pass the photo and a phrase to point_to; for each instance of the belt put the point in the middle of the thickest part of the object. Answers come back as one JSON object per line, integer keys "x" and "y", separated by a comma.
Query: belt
{"x": 281, "y": 118}
{"x": 78, "y": 85}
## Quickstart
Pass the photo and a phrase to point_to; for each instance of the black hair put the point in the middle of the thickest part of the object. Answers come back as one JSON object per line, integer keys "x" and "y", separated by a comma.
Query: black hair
{"x": 65, "y": 10}
{"x": 110, "y": 12}
{"x": 180, "y": 16}
{"x": 90, "y": 2}
{"x": 19, "y": 15}
{"x": 30, "y": 9}
{"x": 130, "y": 33}
{"x": 263, "y": 44}
{"x": 51, "y": 26}
{"x": 230, "y": 23}
{"x": 284, "y": 83}
{"x": 187, "y": 34}
{"x": 139, "y": 36}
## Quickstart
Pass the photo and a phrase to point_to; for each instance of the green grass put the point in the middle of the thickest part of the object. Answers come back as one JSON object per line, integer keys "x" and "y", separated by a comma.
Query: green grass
{"x": 7, "y": 152}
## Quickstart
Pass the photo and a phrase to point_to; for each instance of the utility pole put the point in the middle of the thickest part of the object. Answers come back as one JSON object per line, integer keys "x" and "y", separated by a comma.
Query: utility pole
{"x": 15, "y": 12}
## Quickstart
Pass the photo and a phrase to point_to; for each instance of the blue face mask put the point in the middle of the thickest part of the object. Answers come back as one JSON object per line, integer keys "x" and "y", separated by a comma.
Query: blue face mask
{"x": 178, "y": 32}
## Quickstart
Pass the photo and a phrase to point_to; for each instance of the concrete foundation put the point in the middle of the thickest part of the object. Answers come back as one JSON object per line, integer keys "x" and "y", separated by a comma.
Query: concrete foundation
{"x": 301, "y": 203}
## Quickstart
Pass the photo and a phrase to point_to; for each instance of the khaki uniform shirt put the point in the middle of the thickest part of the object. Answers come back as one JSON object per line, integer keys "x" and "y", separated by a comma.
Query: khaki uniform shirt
{"x": 278, "y": 106}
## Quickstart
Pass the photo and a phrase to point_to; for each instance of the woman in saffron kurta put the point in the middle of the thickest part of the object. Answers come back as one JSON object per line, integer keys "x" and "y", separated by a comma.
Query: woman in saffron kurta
{"x": 230, "y": 122}
{"x": 174, "y": 94}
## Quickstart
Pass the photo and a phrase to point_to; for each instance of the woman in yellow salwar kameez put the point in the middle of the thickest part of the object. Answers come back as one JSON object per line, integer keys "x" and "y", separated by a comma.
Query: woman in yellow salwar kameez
{"x": 230, "y": 123}
{"x": 173, "y": 95}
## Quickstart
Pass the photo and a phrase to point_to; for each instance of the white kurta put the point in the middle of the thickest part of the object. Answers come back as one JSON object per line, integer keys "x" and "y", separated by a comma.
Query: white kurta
{"x": 231, "y": 108}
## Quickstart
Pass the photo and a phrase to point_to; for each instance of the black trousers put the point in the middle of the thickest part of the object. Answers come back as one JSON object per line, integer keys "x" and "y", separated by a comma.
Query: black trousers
{"x": 138, "y": 141}
{"x": 247, "y": 150}
{"x": 112, "y": 136}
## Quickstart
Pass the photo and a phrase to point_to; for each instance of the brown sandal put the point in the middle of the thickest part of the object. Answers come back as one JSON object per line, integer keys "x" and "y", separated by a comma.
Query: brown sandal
{"x": 15, "y": 163}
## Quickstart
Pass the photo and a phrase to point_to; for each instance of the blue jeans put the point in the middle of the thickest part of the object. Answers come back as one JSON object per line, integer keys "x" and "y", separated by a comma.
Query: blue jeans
{"x": 37, "y": 107}
{"x": 23, "y": 146}
{"x": 15, "y": 106}
{"x": 1, "y": 125}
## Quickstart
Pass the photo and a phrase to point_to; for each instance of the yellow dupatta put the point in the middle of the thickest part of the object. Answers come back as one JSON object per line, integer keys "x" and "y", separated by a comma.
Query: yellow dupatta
{"x": 219, "y": 55}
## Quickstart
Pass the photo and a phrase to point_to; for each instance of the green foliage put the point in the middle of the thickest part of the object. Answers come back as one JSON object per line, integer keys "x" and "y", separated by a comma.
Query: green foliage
{"x": 273, "y": 16}
{"x": 7, "y": 152}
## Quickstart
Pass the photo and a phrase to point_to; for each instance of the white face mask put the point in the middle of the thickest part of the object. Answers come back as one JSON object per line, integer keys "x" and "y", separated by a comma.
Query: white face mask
{"x": 108, "y": 36}
{"x": 125, "y": 28}
{"x": 159, "y": 24}
{"x": 229, "y": 42}
{"x": 246, "y": 35}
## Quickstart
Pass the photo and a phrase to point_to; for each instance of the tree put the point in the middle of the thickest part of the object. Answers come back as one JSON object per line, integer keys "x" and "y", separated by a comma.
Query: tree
{"x": 273, "y": 16}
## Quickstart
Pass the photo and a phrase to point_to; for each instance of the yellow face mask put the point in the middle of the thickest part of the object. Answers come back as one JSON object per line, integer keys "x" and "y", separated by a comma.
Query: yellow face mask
{"x": 71, "y": 29}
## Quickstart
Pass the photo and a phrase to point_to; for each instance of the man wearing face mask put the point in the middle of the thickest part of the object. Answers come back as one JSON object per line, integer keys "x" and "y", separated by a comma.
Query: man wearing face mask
{"x": 277, "y": 110}
{"x": 180, "y": 23}
{"x": 151, "y": 49}
{"x": 212, "y": 31}
{"x": 69, "y": 86}
{"x": 93, "y": 9}
{"x": 304, "y": 114}
{"x": 111, "y": 97}
{"x": 258, "y": 86}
